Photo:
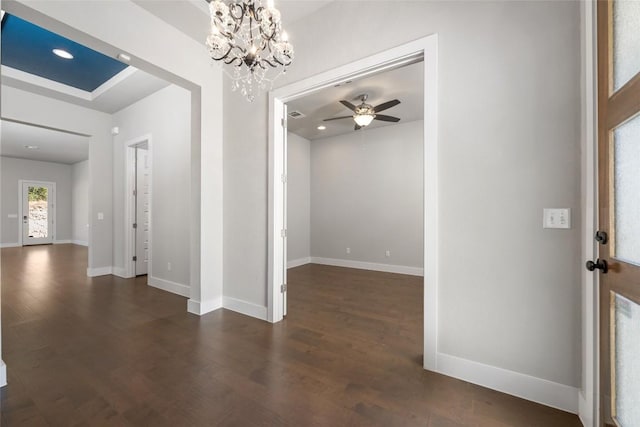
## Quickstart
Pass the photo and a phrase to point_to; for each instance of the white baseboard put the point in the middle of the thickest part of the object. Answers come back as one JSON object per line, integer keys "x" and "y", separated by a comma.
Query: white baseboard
{"x": 298, "y": 262}
{"x": 538, "y": 390}
{"x": 388, "y": 268}
{"x": 61, "y": 242}
{"x": 80, "y": 242}
{"x": 203, "y": 307}
{"x": 3, "y": 374}
{"x": 100, "y": 271}
{"x": 244, "y": 307}
{"x": 169, "y": 286}
{"x": 120, "y": 272}
{"x": 10, "y": 245}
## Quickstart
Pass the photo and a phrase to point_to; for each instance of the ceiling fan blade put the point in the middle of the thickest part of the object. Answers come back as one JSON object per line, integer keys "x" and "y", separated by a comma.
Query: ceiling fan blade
{"x": 337, "y": 118}
{"x": 386, "y": 105}
{"x": 357, "y": 127}
{"x": 386, "y": 118}
{"x": 349, "y": 105}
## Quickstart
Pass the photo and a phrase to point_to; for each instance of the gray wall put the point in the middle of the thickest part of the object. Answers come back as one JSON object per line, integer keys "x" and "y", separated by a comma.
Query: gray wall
{"x": 166, "y": 116}
{"x": 509, "y": 104}
{"x": 299, "y": 198}
{"x": 80, "y": 202}
{"x": 367, "y": 195}
{"x": 14, "y": 170}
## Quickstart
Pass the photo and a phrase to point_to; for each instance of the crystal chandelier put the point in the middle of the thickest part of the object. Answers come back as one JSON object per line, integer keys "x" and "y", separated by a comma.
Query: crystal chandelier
{"x": 249, "y": 37}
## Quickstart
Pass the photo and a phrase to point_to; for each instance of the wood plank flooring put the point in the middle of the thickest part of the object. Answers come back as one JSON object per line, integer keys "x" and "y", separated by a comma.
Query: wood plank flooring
{"x": 115, "y": 352}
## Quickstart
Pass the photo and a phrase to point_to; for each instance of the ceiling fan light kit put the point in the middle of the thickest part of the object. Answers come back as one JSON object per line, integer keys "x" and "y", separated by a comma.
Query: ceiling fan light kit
{"x": 248, "y": 36}
{"x": 365, "y": 113}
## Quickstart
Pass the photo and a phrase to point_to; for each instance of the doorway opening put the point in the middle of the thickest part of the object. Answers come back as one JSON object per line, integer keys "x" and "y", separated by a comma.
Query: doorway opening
{"x": 424, "y": 50}
{"x": 138, "y": 206}
{"x": 37, "y": 212}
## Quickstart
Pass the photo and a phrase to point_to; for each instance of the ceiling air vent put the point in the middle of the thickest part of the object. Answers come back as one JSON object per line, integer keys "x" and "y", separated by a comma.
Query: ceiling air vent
{"x": 296, "y": 114}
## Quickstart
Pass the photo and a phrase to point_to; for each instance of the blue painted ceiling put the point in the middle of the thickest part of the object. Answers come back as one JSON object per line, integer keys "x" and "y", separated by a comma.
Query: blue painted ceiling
{"x": 28, "y": 48}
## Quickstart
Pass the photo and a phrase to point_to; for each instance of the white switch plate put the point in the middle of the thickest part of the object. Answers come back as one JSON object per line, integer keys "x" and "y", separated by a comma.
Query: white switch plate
{"x": 556, "y": 218}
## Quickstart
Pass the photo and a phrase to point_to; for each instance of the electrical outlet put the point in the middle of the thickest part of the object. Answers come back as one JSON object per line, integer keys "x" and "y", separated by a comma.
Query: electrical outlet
{"x": 348, "y": 250}
{"x": 168, "y": 266}
{"x": 387, "y": 253}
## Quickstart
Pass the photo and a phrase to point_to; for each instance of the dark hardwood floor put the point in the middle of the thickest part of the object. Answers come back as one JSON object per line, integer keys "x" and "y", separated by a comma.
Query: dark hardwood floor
{"x": 110, "y": 351}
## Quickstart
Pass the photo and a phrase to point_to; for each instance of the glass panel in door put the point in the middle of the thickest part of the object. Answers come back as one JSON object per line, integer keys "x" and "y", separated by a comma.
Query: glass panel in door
{"x": 626, "y": 191}
{"x": 38, "y": 215}
{"x": 625, "y": 342}
{"x": 626, "y": 41}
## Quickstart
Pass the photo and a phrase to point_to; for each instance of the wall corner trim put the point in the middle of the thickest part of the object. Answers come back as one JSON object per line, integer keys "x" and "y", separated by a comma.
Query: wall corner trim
{"x": 203, "y": 307}
{"x": 120, "y": 272}
{"x": 169, "y": 286}
{"x": 531, "y": 388}
{"x": 245, "y": 307}
{"x": 3, "y": 374}
{"x": 99, "y": 271}
{"x": 585, "y": 411}
{"x": 387, "y": 268}
{"x": 298, "y": 262}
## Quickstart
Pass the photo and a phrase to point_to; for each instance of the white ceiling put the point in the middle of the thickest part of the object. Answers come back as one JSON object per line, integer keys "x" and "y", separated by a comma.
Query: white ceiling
{"x": 53, "y": 145}
{"x": 192, "y": 16}
{"x": 405, "y": 84}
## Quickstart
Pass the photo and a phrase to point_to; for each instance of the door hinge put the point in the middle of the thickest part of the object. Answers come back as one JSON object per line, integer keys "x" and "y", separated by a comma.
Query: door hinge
{"x": 283, "y": 232}
{"x": 135, "y": 225}
{"x": 283, "y": 288}
{"x": 135, "y": 193}
{"x": 283, "y": 178}
{"x": 283, "y": 122}
{"x": 135, "y": 258}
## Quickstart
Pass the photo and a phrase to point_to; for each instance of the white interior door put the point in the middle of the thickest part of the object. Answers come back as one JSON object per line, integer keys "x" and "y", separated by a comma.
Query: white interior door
{"x": 143, "y": 210}
{"x": 38, "y": 212}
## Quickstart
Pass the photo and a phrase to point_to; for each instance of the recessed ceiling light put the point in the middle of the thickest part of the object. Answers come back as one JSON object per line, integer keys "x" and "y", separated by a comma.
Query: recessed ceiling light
{"x": 62, "y": 53}
{"x": 322, "y": 127}
{"x": 31, "y": 147}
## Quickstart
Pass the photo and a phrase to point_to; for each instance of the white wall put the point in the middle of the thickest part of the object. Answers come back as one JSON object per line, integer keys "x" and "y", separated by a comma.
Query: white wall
{"x": 367, "y": 195}
{"x": 14, "y": 170}
{"x": 165, "y": 116}
{"x": 80, "y": 203}
{"x": 509, "y": 291}
{"x": 299, "y": 198}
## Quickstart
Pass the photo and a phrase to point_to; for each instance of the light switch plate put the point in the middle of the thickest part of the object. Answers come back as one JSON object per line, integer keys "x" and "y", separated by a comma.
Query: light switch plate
{"x": 556, "y": 218}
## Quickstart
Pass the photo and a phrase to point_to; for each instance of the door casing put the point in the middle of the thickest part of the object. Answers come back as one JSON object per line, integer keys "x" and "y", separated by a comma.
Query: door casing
{"x": 425, "y": 50}
{"x": 129, "y": 205}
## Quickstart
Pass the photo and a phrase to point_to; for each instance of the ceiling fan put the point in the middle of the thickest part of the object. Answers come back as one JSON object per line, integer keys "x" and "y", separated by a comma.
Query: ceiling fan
{"x": 365, "y": 113}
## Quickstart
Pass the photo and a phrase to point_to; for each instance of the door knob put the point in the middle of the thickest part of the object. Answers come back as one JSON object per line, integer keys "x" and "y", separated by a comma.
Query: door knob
{"x": 600, "y": 264}
{"x": 602, "y": 237}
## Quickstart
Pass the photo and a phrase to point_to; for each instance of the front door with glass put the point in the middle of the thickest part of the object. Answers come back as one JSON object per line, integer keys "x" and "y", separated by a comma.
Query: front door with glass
{"x": 38, "y": 204}
{"x": 619, "y": 211}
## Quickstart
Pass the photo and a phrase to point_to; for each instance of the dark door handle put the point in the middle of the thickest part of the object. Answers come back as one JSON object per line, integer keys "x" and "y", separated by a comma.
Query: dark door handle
{"x": 600, "y": 264}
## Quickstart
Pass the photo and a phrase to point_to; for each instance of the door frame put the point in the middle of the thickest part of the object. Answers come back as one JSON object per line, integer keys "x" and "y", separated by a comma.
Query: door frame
{"x": 54, "y": 222}
{"x": 425, "y": 49}
{"x": 588, "y": 397}
{"x": 129, "y": 203}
